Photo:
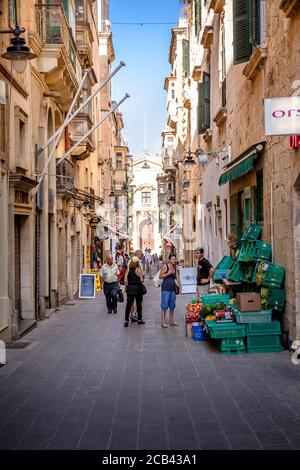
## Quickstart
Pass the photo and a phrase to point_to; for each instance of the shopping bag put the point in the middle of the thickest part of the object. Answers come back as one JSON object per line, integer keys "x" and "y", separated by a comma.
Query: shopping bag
{"x": 120, "y": 296}
{"x": 156, "y": 281}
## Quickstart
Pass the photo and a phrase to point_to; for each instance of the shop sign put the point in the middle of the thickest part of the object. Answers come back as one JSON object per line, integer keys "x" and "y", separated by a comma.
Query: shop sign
{"x": 282, "y": 116}
{"x": 294, "y": 142}
{"x": 94, "y": 222}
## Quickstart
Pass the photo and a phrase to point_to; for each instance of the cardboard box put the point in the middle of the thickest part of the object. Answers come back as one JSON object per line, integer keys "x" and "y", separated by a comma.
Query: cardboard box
{"x": 248, "y": 302}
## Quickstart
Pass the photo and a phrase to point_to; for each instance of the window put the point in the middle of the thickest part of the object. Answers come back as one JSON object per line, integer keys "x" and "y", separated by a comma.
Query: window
{"x": 119, "y": 165}
{"x": 248, "y": 28}
{"x": 170, "y": 139}
{"x": 21, "y": 147}
{"x": 186, "y": 56}
{"x": 259, "y": 198}
{"x": 197, "y": 16}
{"x": 173, "y": 94}
{"x": 146, "y": 198}
{"x": 204, "y": 104}
{"x": 79, "y": 10}
{"x": 226, "y": 218}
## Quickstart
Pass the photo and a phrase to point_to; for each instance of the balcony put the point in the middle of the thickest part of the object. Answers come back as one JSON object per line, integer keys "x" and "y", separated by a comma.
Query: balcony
{"x": 80, "y": 125}
{"x": 256, "y": 62}
{"x": 207, "y": 36}
{"x": 216, "y": 5}
{"x": 65, "y": 178}
{"x": 168, "y": 164}
{"x": 290, "y": 7}
{"x": 90, "y": 191}
{"x": 58, "y": 58}
{"x": 84, "y": 34}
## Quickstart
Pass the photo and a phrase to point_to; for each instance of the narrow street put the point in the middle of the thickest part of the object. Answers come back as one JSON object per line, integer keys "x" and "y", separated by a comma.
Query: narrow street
{"x": 85, "y": 382}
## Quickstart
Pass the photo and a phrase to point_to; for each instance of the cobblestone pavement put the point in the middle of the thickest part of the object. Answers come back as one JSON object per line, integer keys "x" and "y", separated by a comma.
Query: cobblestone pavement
{"x": 86, "y": 382}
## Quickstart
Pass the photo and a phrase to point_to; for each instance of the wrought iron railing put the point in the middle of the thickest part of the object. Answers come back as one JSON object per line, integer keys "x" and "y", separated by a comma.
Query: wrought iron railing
{"x": 65, "y": 175}
{"x": 53, "y": 28}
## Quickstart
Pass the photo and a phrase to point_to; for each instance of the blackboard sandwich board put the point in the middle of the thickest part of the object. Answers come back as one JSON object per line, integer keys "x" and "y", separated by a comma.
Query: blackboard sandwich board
{"x": 87, "y": 286}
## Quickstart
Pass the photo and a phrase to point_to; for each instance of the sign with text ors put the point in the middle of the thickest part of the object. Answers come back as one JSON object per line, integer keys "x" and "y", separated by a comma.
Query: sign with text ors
{"x": 282, "y": 116}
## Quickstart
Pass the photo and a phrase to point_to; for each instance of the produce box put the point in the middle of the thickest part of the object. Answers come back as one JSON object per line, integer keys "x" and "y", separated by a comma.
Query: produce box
{"x": 226, "y": 263}
{"x": 199, "y": 332}
{"x": 225, "y": 330}
{"x": 277, "y": 298}
{"x": 215, "y": 298}
{"x": 268, "y": 274}
{"x": 252, "y": 232}
{"x": 220, "y": 274}
{"x": 263, "y": 316}
{"x": 248, "y": 302}
{"x": 241, "y": 272}
{"x": 254, "y": 250}
{"x": 263, "y": 329}
{"x": 264, "y": 343}
{"x": 189, "y": 330}
{"x": 232, "y": 346}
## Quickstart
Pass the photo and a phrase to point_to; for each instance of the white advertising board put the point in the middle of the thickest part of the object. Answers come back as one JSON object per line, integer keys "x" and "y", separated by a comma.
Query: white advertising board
{"x": 282, "y": 116}
{"x": 188, "y": 277}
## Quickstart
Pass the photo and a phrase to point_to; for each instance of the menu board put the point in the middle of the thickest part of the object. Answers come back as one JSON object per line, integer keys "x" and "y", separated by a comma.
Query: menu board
{"x": 87, "y": 286}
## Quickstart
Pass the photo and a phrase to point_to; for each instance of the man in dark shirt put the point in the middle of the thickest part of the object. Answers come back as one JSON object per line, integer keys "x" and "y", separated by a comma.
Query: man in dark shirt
{"x": 205, "y": 272}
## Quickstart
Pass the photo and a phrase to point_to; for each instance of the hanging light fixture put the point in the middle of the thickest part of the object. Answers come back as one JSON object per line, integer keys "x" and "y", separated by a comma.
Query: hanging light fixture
{"x": 17, "y": 52}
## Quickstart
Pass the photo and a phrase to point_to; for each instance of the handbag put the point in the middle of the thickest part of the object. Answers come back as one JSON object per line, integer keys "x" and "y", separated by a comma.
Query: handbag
{"x": 176, "y": 287}
{"x": 120, "y": 295}
{"x": 144, "y": 290}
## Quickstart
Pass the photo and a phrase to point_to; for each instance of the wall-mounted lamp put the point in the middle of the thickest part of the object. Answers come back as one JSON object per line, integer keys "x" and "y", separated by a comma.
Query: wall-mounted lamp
{"x": 17, "y": 52}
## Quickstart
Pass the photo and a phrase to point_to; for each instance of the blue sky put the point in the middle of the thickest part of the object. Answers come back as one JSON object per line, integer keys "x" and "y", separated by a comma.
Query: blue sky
{"x": 145, "y": 50}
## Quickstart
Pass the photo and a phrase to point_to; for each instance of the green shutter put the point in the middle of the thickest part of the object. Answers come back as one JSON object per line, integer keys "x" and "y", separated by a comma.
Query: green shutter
{"x": 255, "y": 20}
{"x": 66, "y": 8}
{"x": 200, "y": 108}
{"x": 186, "y": 56}
{"x": 233, "y": 215}
{"x": 206, "y": 107}
{"x": 204, "y": 104}
{"x": 197, "y": 15}
{"x": 242, "y": 30}
{"x": 259, "y": 209}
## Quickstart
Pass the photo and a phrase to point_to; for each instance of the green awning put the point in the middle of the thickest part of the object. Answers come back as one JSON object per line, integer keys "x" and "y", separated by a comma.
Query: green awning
{"x": 240, "y": 169}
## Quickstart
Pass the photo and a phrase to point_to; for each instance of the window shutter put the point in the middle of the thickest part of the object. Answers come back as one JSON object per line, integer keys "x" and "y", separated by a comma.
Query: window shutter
{"x": 204, "y": 104}
{"x": 241, "y": 30}
{"x": 259, "y": 209}
{"x": 233, "y": 215}
{"x": 198, "y": 15}
{"x": 206, "y": 107}
{"x": 255, "y": 21}
{"x": 186, "y": 56}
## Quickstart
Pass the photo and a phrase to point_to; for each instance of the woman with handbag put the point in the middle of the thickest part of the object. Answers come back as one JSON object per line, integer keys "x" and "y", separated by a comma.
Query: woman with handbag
{"x": 171, "y": 286}
{"x": 135, "y": 290}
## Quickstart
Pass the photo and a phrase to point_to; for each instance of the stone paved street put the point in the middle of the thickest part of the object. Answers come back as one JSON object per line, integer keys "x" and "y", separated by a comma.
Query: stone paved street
{"x": 86, "y": 382}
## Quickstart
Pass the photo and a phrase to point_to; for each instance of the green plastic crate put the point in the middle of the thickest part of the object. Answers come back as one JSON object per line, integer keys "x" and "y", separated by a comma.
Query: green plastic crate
{"x": 215, "y": 298}
{"x": 219, "y": 274}
{"x": 232, "y": 346}
{"x": 274, "y": 274}
{"x": 263, "y": 329}
{"x": 264, "y": 343}
{"x": 254, "y": 251}
{"x": 252, "y": 232}
{"x": 241, "y": 272}
{"x": 277, "y": 298}
{"x": 226, "y": 263}
{"x": 225, "y": 330}
{"x": 264, "y": 316}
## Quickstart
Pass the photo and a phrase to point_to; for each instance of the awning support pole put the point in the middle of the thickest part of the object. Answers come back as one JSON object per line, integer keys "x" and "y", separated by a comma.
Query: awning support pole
{"x": 59, "y": 132}
{"x": 92, "y": 130}
{"x": 67, "y": 121}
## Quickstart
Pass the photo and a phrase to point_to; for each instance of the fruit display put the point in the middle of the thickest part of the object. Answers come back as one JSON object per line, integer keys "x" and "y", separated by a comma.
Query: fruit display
{"x": 192, "y": 311}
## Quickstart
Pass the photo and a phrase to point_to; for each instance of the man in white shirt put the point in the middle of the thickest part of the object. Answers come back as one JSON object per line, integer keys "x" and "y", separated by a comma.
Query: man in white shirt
{"x": 109, "y": 278}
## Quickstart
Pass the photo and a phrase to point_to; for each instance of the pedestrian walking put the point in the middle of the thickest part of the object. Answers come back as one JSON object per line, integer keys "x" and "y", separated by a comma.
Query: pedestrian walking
{"x": 109, "y": 278}
{"x": 205, "y": 273}
{"x": 135, "y": 290}
{"x": 119, "y": 259}
{"x": 170, "y": 286}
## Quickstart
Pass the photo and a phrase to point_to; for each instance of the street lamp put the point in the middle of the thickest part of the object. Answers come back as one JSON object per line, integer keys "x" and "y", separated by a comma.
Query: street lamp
{"x": 17, "y": 52}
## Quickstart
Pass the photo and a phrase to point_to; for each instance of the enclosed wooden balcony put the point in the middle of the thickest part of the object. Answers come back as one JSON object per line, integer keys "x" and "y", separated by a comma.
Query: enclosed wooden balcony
{"x": 84, "y": 33}
{"x": 80, "y": 125}
{"x": 58, "y": 58}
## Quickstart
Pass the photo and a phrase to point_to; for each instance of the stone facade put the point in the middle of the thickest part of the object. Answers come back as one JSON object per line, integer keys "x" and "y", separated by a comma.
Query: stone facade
{"x": 226, "y": 122}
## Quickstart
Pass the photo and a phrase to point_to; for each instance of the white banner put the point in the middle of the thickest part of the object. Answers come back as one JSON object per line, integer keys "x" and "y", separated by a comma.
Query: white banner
{"x": 282, "y": 116}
